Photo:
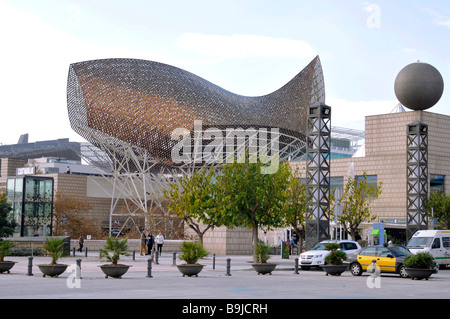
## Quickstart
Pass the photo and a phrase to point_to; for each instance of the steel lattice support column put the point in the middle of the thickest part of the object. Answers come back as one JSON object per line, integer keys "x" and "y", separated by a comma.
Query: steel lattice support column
{"x": 318, "y": 174}
{"x": 417, "y": 177}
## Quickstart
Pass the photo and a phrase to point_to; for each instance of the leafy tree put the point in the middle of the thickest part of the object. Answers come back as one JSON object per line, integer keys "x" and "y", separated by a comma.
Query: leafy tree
{"x": 70, "y": 216}
{"x": 249, "y": 198}
{"x": 294, "y": 205}
{"x": 193, "y": 200}
{"x": 439, "y": 206}
{"x": 7, "y": 224}
{"x": 357, "y": 197}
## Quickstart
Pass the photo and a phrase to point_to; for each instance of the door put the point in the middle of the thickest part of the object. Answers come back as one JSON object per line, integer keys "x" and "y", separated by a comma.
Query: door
{"x": 445, "y": 259}
{"x": 385, "y": 259}
{"x": 437, "y": 250}
{"x": 366, "y": 256}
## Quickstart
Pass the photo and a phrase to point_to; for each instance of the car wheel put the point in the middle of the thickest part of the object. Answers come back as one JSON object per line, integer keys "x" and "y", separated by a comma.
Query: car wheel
{"x": 402, "y": 271}
{"x": 356, "y": 269}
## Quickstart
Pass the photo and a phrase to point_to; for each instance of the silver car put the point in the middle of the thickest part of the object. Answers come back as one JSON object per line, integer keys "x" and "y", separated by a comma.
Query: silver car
{"x": 316, "y": 256}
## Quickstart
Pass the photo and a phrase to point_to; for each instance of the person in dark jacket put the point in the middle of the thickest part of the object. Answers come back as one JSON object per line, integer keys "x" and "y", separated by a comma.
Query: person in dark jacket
{"x": 150, "y": 242}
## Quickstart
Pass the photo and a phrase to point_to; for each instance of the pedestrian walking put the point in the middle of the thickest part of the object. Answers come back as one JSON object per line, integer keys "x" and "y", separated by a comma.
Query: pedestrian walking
{"x": 81, "y": 242}
{"x": 150, "y": 242}
{"x": 143, "y": 244}
{"x": 159, "y": 241}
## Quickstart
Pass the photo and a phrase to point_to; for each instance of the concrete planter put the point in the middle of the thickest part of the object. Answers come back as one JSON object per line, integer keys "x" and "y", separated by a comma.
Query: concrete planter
{"x": 417, "y": 274}
{"x": 52, "y": 270}
{"x": 334, "y": 270}
{"x": 5, "y": 266}
{"x": 190, "y": 269}
{"x": 115, "y": 271}
{"x": 264, "y": 268}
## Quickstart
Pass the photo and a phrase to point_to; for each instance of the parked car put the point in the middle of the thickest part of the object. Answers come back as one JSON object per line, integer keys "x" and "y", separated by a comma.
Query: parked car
{"x": 316, "y": 256}
{"x": 389, "y": 258}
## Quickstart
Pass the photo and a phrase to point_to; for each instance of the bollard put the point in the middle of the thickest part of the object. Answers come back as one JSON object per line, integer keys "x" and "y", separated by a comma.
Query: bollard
{"x": 296, "y": 266}
{"x": 73, "y": 251}
{"x": 86, "y": 252}
{"x": 134, "y": 255}
{"x": 78, "y": 271}
{"x": 100, "y": 253}
{"x": 149, "y": 268}
{"x": 30, "y": 266}
{"x": 157, "y": 257}
{"x": 214, "y": 261}
{"x": 174, "y": 261}
{"x": 374, "y": 266}
{"x": 228, "y": 267}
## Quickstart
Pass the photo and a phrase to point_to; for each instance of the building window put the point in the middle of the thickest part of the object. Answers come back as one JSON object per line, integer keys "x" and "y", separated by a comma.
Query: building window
{"x": 32, "y": 201}
{"x": 437, "y": 183}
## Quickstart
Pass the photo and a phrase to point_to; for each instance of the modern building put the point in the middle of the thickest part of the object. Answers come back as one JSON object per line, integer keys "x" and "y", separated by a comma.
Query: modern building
{"x": 384, "y": 160}
{"x": 13, "y": 156}
{"x": 32, "y": 203}
{"x": 345, "y": 142}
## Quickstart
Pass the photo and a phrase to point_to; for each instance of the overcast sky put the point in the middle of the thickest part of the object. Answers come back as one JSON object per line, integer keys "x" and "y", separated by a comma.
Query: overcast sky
{"x": 247, "y": 47}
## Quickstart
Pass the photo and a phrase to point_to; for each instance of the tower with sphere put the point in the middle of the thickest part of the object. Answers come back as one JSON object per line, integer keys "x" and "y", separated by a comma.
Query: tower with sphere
{"x": 418, "y": 86}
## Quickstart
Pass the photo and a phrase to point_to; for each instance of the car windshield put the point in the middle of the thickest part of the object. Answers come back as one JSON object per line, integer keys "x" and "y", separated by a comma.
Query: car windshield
{"x": 420, "y": 242}
{"x": 319, "y": 246}
{"x": 400, "y": 251}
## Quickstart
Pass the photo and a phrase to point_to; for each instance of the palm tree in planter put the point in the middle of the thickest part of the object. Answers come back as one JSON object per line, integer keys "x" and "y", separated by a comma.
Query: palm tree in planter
{"x": 420, "y": 265}
{"x": 54, "y": 247}
{"x": 5, "y": 249}
{"x": 261, "y": 255}
{"x": 335, "y": 265}
{"x": 112, "y": 251}
{"x": 191, "y": 253}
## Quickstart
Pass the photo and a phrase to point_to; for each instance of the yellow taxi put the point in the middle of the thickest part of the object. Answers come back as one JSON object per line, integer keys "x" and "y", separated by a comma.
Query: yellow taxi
{"x": 389, "y": 259}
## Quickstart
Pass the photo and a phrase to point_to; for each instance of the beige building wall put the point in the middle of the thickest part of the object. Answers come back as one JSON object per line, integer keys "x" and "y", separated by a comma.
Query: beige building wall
{"x": 385, "y": 157}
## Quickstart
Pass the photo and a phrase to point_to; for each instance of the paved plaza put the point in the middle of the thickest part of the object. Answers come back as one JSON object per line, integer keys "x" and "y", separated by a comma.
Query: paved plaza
{"x": 244, "y": 283}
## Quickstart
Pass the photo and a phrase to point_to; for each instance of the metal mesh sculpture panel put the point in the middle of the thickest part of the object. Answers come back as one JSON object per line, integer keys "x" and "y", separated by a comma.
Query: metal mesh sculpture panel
{"x": 142, "y": 102}
{"x": 129, "y": 110}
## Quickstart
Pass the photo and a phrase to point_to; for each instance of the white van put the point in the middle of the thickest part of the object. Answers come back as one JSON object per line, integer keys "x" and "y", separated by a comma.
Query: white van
{"x": 436, "y": 242}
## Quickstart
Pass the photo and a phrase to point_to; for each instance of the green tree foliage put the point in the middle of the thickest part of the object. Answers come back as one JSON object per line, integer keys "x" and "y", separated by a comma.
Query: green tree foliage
{"x": 294, "y": 205}
{"x": 7, "y": 224}
{"x": 356, "y": 202}
{"x": 336, "y": 257}
{"x": 249, "y": 198}
{"x": 192, "y": 252}
{"x": 439, "y": 206}
{"x": 114, "y": 248}
{"x": 193, "y": 199}
{"x": 55, "y": 248}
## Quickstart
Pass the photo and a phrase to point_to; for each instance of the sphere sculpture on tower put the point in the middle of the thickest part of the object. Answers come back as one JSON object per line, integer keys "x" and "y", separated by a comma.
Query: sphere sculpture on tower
{"x": 419, "y": 86}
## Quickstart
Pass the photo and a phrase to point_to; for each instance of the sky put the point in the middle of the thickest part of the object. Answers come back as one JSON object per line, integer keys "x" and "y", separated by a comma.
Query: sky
{"x": 247, "y": 47}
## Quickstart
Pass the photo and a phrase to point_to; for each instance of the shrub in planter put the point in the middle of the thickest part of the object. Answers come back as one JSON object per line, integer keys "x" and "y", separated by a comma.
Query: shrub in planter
{"x": 335, "y": 260}
{"x": 261, "y": 256}
{"x": 5, "y": 249}
{"x": 421, "y": 260}
{"x": 112, "y": 251}
{"x": 191, "y": 253}
{"x": 336, "y": 257}
{"x": 420, "y": 265}
{"x": 54, "y": 247}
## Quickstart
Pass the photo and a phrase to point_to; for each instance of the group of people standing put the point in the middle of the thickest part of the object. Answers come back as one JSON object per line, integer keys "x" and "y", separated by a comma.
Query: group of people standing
{"x": 148, "y": 242}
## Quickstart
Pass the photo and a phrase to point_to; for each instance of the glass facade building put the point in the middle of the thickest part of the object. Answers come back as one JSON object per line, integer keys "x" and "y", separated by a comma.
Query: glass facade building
{"x": 32, "y": 202}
